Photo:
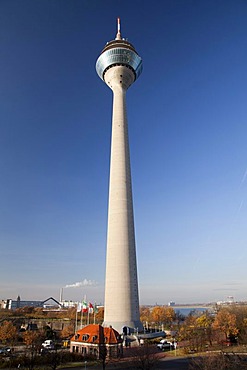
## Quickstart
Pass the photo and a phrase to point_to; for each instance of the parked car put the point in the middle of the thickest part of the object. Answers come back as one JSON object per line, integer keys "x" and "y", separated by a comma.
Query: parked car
{"x": 166, "y": 345}
{"x": 48, "y": 344}
{"x": 5, "y": 351}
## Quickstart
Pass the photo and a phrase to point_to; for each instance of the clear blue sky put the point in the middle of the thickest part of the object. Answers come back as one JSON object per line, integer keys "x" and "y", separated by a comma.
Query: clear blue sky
{"x": 187, "y": 124}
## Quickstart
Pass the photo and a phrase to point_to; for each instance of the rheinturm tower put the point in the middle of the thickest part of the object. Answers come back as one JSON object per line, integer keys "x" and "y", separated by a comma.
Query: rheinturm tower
{"x": 119, "y": 65}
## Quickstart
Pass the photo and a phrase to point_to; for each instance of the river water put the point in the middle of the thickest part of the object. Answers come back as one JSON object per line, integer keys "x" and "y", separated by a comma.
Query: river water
{"x": 185, "y": 311}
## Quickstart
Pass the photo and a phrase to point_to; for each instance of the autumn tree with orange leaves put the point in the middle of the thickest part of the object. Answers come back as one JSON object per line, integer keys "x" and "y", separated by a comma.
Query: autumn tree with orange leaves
{"x": 145, "y": 314}
{"x": 33, "y": 338}
{"x": 163, "y": 315}
{"x": 68, "y": 331}
{"x": 8, "y": 332}
{"x": 99, "y": 315}
{"x": 226, "y": 323}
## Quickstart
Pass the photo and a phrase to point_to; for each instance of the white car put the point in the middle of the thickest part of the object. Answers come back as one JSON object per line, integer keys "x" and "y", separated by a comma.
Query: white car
{"x": 164, "y": 344}
{"x": 48, "y": 344}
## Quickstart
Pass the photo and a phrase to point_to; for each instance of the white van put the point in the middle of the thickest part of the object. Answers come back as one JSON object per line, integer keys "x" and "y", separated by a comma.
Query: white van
{"x": 48, "y": 344}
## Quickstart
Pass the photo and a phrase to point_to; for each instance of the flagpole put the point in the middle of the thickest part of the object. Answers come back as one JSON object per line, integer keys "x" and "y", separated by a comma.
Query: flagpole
{"x": 81, "y": 318}
{"x": 88, "y": 315}
{"x": 84, "y": 308}
{"x": 95, "y": 310}
{"x": 76, "y": 318}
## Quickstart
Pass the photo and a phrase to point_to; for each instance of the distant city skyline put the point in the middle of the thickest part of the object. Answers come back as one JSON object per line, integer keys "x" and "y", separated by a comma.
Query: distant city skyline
{"x": 227, "y": 300}
{"x": 187, "y": 142}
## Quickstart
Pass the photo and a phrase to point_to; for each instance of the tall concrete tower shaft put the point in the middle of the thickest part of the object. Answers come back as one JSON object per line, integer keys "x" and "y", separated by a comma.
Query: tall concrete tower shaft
{"x": 119, "y": 65}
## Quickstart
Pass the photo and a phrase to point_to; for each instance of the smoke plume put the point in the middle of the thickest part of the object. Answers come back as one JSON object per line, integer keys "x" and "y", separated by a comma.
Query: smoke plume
{"x": 82, "y": 283}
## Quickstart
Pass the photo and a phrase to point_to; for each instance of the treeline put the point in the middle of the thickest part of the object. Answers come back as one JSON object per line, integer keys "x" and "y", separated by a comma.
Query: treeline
{"x": 224, "y": 324}
{"x": 227, "y": 325}
{"x": 208, "y": 331}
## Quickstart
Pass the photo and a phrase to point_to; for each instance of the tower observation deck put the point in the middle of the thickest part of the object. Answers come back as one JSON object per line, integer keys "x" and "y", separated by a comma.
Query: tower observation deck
{"x": 119, "y": 65}
{"x": 119, "y": 52}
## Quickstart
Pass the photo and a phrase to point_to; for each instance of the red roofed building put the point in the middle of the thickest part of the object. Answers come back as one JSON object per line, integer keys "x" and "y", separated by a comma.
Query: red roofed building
{"x": 96, "y": 340}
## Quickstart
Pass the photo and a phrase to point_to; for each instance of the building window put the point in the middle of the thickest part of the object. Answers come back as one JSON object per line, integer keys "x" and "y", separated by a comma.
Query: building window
{"x": 84, "y": 350}
{"x": 85, "y": 337}
{"x": 94, "y": 338}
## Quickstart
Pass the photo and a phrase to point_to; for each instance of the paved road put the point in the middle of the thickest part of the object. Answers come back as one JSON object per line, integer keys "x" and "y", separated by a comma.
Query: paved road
{"x": 173, "y": 364}
{"x": 167, "y": 364}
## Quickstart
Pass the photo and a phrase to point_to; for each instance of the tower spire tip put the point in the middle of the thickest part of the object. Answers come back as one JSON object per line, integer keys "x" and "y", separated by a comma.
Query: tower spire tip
{"x": 118, "y": 36}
